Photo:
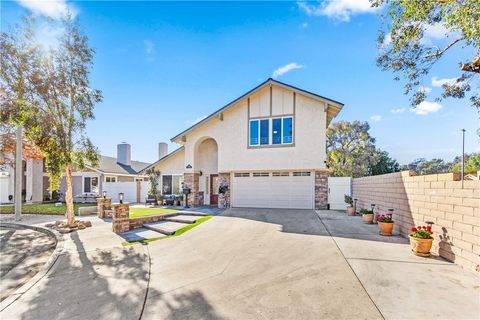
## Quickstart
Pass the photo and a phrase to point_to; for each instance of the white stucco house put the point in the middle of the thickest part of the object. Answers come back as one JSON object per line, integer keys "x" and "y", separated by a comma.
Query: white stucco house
{"x": 268, "y": 146}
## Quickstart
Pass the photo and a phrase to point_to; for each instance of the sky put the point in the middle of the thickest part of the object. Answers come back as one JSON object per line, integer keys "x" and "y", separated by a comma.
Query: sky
{"x": 162, "y": 66}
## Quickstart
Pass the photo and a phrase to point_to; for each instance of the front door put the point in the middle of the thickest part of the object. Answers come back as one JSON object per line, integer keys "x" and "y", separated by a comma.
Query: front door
{"x": 213, "y": 189}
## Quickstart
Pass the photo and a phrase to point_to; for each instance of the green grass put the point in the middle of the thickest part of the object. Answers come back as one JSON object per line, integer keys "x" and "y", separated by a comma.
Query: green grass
{"x": 145, "y": 212}
{"x": 44, "y": 208}
{"x": 176, "y": 234}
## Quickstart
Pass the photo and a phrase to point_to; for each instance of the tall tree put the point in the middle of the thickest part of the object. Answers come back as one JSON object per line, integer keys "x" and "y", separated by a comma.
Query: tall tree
{"x": 405, "y": 49}
{"x": 350, "y": 149}
{"x": 64, "y": 102}
{"x": 423, "y": 166}
{"x": 472, "y": 163}
{"x": 384, "y": 164}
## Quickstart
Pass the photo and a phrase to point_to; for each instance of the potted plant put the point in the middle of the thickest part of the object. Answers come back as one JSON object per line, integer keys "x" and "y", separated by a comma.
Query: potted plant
{"x": 350, "y": 208}
{"x": 180, "y": 199}
{"x": 421, "y": 240}
{"x": 160, "y": 199}
{"x": 367, "y": 215}
{"x": 385, "y": 224}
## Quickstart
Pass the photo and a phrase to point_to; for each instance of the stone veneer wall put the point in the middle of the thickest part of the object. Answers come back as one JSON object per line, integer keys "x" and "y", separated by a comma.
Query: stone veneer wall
{"x": 321, "y": 190}
{"x": 191, "y": 180}
{"x": 453, "y": 206}
{"x": 120, "y": 220}
{"x": 140, "y": 221}
{"x": 102, "y": 205}
{"x": 224, "y": 178}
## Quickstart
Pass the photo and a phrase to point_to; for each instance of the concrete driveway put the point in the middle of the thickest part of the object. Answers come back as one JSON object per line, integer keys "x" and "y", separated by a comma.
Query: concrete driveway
{"x": 255, "y": 264}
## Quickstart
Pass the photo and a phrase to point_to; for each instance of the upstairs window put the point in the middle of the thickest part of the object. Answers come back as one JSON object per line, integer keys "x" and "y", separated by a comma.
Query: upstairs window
{"x": 272, "y": 131}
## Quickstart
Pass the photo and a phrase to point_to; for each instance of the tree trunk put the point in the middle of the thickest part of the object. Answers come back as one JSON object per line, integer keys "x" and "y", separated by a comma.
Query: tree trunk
{"x": 69, "y": 196}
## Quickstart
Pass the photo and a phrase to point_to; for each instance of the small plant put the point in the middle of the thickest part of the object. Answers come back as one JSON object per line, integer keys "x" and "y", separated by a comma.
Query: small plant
{"x": 385, "y": 218}
{"x": 348, "y": 200}
{"x": 366, "y": 211}
{"x": 422, "y": 232}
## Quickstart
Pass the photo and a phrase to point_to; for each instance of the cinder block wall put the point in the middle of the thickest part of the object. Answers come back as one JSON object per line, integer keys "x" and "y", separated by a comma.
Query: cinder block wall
{"x": 453, "y": 207}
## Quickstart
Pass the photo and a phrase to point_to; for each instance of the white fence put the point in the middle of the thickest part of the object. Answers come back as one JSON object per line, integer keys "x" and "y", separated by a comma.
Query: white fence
{"x": 132, "y": 191}
{"x": 338, "y": 187}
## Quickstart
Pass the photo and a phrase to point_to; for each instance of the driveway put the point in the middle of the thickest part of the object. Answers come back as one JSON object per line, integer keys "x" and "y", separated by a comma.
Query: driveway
{"x": 255, "y": 264}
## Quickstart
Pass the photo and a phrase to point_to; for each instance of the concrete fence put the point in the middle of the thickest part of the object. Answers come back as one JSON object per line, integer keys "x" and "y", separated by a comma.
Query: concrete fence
{"x": 452, "y": 205}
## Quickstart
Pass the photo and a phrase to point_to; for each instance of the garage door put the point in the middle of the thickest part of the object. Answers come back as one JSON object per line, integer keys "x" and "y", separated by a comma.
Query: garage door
{"x": 292, "y": 190}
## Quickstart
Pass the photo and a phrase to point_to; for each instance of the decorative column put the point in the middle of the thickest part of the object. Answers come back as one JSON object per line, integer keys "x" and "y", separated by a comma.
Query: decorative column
{"x": 224, "y": 179}
{"x": 120, "y": 221}
{"x": 102, "y": 205}
{"x": 191, "y": 180}
{"x": 321, "y": 190}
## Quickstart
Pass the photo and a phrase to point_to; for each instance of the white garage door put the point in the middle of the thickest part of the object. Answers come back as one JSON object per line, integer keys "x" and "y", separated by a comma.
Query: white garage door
{"x": 292, "y": 190}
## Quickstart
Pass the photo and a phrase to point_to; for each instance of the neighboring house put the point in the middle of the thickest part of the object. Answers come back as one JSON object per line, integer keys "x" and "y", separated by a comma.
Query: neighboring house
{"x": 268, "y": 146}
{"x": 113, "y": 175}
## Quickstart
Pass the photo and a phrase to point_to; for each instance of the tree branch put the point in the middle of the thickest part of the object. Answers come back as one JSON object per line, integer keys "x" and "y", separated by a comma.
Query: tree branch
{"x": 440, "y": 52}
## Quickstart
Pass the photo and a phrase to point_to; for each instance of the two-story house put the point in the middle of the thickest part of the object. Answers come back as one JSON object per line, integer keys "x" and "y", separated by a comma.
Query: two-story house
{"x": 268, "y": 146}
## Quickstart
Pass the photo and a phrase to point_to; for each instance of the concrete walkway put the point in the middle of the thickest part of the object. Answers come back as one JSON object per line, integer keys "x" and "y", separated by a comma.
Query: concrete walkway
{"x": 251, "y": 264}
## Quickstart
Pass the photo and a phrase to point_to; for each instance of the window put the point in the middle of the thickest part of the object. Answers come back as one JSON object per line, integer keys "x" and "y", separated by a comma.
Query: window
{"x": 90, "y": 184}
{"x": 280, "y": 174}
{"x": 260, "y": 174}
{"x": 166, "y": 184}
{"x": 264, "y": 138}
{"x": 301, "y": 174}
{"x": 139, "y": 179}
{"x": 110, "y": 179}
{"x": 281, "y": 131}
{"x": 254, "y": 132}
{"x": 242, "y": 174}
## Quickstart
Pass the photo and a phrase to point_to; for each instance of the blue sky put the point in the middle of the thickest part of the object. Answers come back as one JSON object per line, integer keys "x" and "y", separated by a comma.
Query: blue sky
{"x": 163, "y": 66}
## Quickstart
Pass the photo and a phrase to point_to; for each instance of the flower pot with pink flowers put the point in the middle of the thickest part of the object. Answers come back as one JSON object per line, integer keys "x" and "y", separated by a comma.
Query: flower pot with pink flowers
{"x": 421, "y": 240}
{"x": 385, "y": 224}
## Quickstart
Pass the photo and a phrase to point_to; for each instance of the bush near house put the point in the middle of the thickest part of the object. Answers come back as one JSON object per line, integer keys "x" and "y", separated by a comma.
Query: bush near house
{"x": 44, "y": 208}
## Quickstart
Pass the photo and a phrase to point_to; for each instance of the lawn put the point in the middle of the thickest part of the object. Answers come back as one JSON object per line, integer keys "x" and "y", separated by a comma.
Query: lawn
{"x": 136, "y": 212}
{"x": 176, "y": 234}
{"x": 44, "y": 208}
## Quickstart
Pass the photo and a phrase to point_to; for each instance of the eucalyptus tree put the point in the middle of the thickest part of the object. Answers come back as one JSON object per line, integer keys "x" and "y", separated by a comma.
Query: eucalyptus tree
{"x": 63, "y": 102}
{"x": 406, "y": 48}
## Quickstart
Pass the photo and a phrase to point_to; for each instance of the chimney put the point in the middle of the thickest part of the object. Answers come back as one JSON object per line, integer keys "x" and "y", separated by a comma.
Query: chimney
{"x": 162, "y": 150}
{"x": 124, "y": 154}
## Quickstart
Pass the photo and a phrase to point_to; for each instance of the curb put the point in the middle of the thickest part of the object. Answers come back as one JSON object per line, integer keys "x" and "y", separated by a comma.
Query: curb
{"x": 59, "y": 247}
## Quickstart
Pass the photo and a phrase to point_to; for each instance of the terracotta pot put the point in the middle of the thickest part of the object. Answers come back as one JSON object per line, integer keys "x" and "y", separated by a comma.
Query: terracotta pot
{"x": 421, "y": 247}
{"x": 367, "y": 218}
{"x": 385, "y": 228}
{"x": 351, "y": 211}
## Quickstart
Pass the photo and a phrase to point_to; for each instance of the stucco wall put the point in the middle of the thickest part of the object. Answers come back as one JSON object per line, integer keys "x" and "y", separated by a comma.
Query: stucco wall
{"x": 173, "y": 164}
{"x": 453, "y": 207}
{"x": 231, "y": 135}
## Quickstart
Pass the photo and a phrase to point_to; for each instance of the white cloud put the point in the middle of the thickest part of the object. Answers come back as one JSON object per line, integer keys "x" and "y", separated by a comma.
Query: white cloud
{"x": 426, "y": 89}
{"x": 304, "y": 25}
{"x": 436, "y": 82}
{"x": 398, "y": 110}
{"x": 286, "y": 68}
{"x": 54, "y": 9}
{"x": 426, "y": 107}
{"x": 376, "y": 118}
{"x": 149, "y": 49}
{"x": 195, "y": 121}
{"x": 435, "y": 31}
{"x": 337, "y": 9}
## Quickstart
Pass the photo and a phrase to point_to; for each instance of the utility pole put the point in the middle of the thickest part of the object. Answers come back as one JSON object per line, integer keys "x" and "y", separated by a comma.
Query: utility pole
{"x": 463, "y": 154}
{"x": 18, "y": 175}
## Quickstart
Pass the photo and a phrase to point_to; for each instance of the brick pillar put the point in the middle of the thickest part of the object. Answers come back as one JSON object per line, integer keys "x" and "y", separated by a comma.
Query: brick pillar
{"x": 321, "y": 190}
{"x": 120, "y": 221}
{"x": 102, "y": 205}
{"x": 224, "y": 179}
{"x": 191, "y": 180}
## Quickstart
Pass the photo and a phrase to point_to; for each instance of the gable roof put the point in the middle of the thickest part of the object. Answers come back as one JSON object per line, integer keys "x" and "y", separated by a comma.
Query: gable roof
{"x": 110, "y": 165}
{"x": 162, "y": 159}
{"x": 336, "y": 106}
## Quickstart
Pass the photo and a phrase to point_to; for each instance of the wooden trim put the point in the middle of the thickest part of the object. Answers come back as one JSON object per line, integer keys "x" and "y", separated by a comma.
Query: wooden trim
{"x": 271, "y": 92}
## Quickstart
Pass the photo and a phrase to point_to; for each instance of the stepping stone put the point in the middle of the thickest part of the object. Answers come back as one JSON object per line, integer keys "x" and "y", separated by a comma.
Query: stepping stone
{"x": 192, "y": 213}
{"x": 165, "y": 227}
{"x": 183, "y": 218}
{"x": 141, "y": 234}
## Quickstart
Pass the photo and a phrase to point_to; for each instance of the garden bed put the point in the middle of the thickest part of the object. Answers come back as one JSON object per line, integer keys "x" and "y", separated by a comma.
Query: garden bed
{"x": 44, "y": 208}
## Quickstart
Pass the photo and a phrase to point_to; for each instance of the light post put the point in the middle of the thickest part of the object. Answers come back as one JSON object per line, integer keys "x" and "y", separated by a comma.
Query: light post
{"x": 120, "y": 197}
{"x": 104, "y": 194}
{"x": 374, "y": 215}
{"x": 463, "y": 154}
{"x": 18, "y": 174}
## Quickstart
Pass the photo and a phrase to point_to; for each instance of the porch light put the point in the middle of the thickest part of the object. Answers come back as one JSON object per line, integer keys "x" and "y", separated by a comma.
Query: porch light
{"x": 120, "y": 196}
{"x": 104, "y": 194}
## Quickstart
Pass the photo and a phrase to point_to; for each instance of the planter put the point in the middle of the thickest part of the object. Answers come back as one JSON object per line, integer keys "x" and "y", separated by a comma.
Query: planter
{"x": 421, "y": 247}
{"x": 351, "y": 211}
{"x": 385, "y": 228}
{"x": 367, "y": 218}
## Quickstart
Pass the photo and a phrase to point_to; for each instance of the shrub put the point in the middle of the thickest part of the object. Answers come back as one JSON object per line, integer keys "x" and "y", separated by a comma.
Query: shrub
{"x": 348, "y": 200}
{"x": 366, "y": 211}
